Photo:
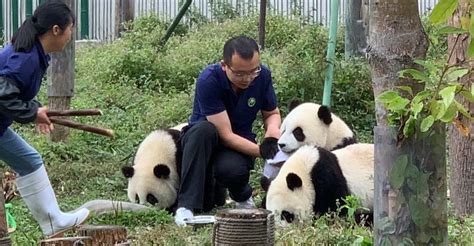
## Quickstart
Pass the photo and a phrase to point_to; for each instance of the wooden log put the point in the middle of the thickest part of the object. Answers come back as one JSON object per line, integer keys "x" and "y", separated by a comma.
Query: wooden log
{"x": 67, "y": 241}
{"x": 71, "y": 112}
{"x": 3, "y": 220}
{"x": 104, "y": 234}
{"x": 87, "y": 128}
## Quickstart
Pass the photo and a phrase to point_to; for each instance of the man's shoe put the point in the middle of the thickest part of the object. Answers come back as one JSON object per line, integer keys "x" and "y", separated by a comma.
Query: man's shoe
{"x": 249, "y": 204}
{"x": 182, "y": 216}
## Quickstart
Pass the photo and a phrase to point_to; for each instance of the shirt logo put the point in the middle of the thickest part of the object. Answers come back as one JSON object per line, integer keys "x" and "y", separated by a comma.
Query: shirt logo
{"x": 251, "y": 102}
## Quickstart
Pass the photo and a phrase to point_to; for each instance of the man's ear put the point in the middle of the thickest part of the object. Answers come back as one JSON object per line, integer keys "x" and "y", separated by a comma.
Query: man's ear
{"x": 223, "y": 65}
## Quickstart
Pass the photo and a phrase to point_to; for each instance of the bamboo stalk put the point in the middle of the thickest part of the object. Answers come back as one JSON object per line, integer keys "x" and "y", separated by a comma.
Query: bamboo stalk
{"x": 87, "y": 128}
{"x": 80, "y": 112}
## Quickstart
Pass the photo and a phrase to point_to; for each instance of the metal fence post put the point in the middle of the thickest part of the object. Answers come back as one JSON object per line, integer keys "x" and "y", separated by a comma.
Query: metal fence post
{"x": 84, "y": 19}
{"x": 14, "y": 12}
{"x": 29, "y": 8}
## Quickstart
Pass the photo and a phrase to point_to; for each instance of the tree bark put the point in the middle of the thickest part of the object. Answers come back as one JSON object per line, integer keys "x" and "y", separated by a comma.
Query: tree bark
{"x": 396, "y": 38}
{"x": 410, "y": 179}
{"x": 355, "y": 37}
{"x": 61, "y": 81}
{"x": 461, "y": 147}
{"x": 104, "y": 234}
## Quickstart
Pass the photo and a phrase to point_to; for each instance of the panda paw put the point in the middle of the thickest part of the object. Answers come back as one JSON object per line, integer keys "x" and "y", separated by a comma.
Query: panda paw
{"x": 269, "y": 148}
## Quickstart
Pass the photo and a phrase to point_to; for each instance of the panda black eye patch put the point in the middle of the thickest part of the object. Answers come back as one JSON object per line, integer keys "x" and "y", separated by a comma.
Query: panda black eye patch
{"x": 161, "y": 171}
{"x": 298, "y": 133}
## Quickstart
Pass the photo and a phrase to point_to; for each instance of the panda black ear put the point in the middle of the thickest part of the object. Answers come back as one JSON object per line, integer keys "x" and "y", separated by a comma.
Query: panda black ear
{"x": 161, "y": 171}
{"x": 325, "y": 114}
{"x": 128, "y": 171}
{"x": 293, "y": 181}
{"x": 293, "y": 104}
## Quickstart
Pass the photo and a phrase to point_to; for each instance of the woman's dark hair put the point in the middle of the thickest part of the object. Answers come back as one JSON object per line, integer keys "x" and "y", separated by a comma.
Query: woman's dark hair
{"x": 242, "y": 45}
{"x": 46, "y": 15}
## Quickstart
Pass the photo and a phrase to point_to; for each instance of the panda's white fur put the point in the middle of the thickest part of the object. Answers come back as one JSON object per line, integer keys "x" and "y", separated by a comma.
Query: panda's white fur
{"x": 339, "y": 173}
{"x": 357, "y": 165}
{"x": 155, "y": 174}
{"x": 308, "y": 121}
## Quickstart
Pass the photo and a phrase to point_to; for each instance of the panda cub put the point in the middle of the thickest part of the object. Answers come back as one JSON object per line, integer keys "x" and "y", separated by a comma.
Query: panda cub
{"x": 154, "y": 176}
{"x": 313, "y": 178}
{"x": 310, "y": 124}
{"x": 313, "y": 124}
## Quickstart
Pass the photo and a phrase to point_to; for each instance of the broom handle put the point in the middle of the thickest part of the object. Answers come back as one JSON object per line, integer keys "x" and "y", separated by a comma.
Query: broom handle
{"x": 71, "y": 112}
{"x": 87, "y": 128}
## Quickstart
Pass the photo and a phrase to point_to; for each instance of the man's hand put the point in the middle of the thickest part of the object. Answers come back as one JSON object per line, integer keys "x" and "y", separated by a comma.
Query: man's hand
{"x": 269, "y": 148}
{"x": 43, "y": 124}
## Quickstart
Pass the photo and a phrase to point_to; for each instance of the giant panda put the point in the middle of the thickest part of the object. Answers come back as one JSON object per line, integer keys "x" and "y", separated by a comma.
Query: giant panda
{"x": 310, "y": 124}
{"x": 313, "y": 124}
{"x": 154, "y": 177}
{"x": 313, "y": 178}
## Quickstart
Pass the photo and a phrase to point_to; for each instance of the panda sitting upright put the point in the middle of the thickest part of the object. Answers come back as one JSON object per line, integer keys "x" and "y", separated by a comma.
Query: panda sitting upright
{"x": 154, "y": 177}
{"x": 313, "y": 178}
{"x": 313, "y": 124}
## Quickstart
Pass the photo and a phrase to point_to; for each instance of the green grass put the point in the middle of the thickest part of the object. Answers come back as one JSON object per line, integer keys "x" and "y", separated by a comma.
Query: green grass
{"x": 140, "y": 89}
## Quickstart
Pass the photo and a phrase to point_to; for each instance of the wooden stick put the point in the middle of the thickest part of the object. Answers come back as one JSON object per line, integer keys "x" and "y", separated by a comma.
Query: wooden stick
{"x": 80, "y": 112}
{"x": 76, "y": 125}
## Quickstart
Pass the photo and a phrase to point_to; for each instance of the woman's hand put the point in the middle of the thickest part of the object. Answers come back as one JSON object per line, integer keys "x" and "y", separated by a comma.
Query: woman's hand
{"x": 43, "y": 124}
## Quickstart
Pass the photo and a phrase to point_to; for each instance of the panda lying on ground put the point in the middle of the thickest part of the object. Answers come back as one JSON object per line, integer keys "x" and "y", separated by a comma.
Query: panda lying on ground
{"x": 313, "y": 178}
{"x": 154, "y": 177}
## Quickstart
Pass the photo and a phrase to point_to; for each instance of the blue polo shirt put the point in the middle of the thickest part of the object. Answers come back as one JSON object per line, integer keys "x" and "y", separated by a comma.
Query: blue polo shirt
{"x": 214, "y": 94}
{"x": 27, "y": 69}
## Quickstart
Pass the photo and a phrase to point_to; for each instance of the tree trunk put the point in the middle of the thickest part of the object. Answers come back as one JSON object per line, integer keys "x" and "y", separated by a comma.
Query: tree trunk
{"x": 104, "y": 234}
{"x": 396, "y": 38}
{"x": 461, "y": 147}
{"x": 61, "y": 81}
{"x": 355, "y": 37}
{"x": 410, "y": 180}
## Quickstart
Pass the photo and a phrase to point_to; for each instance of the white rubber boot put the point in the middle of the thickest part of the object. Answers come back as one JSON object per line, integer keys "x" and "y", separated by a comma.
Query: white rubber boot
{"x": 36, "y": 191}
{"x": 182, "y": 216}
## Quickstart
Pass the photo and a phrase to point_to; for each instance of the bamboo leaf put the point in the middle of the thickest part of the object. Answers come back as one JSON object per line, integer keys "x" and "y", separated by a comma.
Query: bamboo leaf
{"x": 442, "y": 11}
{"x": 415, "y": 74}
{"x": 409, "y": 127}
{"x": 426, "y": 64}
{"x": 426, "y": 123}
{"x": 456, "y": 74}
{"x": 463, "y": 110}
{"x": 387, "y": 96}
{"x": 451, "y": 112}
{"x": 451, "y": 30}
{"x": 468, "y": 96}
{"x": 406, "y": 88}
{"x": 398, "y": 104}
{"x": 416, "y": 108}
{"x": 397, "y": 174}
{"x": 448, "y": 94}
{"x": 420, "y": 96}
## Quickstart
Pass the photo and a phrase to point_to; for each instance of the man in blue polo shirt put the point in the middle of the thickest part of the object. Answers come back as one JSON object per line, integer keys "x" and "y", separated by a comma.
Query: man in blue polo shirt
{"x": 219, "y": 147}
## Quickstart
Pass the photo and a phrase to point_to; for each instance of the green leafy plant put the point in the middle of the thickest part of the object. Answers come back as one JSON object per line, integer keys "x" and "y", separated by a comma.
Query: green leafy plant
{"x": 418, "y": 112}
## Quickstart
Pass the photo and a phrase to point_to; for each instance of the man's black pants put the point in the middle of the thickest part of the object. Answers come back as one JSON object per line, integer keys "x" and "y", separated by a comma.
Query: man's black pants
{"x": 208, "y": 168}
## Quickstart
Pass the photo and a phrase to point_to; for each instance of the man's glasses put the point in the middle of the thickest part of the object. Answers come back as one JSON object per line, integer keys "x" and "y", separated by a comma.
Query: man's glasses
{"x": 252, "y": 74}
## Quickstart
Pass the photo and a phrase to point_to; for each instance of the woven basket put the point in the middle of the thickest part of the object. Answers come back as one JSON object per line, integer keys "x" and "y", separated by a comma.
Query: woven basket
{"x": 244, "y": 227}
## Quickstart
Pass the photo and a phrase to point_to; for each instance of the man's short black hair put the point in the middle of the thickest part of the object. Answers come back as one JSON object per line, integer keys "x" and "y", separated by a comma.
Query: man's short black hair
{"x": 242, "y": 45}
